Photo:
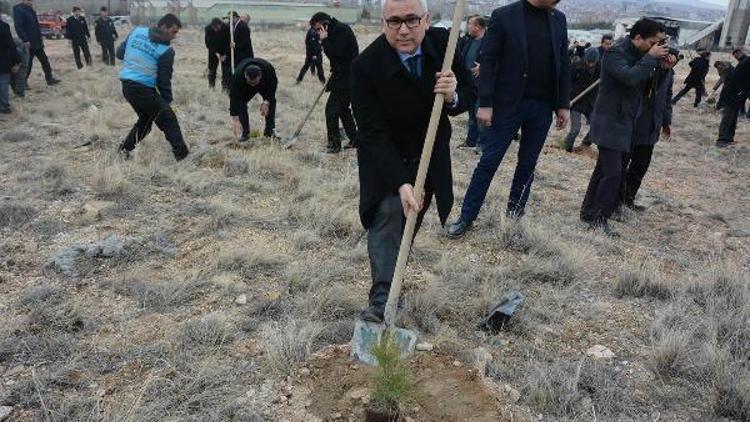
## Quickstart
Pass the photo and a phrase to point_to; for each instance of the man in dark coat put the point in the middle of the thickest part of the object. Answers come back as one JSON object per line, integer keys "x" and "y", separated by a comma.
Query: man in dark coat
{"x": 253, "y": 76}
{"x": 77, "y": 31}
{"x": 733, "y": 97}
{"x": 9, "y": 65}
{"x": 394, "y": 83}
{"x": 605, "y": 45}
{"x": 655, "y": 119}
{"x": 626, "y": 69}
{"x": 313, "y": 57}
{"x": 243, "y": 44}
{"x": 515, "y": 95}
{"x": 696, "y": 79}
{"x": 341, "y": 48}
{"x": 106, "y": 34}
{"x": 18, "y": 80}
{"x": 216, "y": 38}
{"x": 585, "y": 73}
{"x": 468, "y": 52}
{"x": 27, "y": 28}
{"x": 146, "y": 75}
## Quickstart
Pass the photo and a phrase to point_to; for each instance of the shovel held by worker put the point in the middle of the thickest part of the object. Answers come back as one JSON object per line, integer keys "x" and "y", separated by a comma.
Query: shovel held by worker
{"x": 302, "y": 122}
{"x": 367, "y": 335}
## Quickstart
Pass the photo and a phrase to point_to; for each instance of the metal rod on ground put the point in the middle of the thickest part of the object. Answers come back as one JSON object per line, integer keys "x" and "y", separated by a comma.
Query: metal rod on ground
{"x": 302, "y": 122}
{"x": 424, "y": 164}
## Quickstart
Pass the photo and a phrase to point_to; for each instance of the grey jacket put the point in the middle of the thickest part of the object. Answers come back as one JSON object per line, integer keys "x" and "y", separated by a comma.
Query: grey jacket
{"x": 662, "y": 105}
{"x": 625, "y": 72}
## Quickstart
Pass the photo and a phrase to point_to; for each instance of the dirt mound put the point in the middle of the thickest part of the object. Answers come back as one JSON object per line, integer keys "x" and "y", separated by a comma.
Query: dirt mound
{"x": 330, "y": 386}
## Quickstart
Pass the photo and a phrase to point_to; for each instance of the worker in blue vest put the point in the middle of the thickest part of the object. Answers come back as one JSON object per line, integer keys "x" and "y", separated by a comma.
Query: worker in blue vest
{"x": 146, "y": 77}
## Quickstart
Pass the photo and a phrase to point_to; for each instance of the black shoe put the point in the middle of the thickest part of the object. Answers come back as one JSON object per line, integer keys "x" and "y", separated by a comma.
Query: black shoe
{"x": 458, "y": 229}
{"x": 723, "y": 144}
{"x": 244, "y": 138}
{"x": 373, "y": 313}
{"x": 298, "y": 81}
{"x": 350, "y": 145}
{"x": 635, "y": 207}
{"x": 605, "y": 227}
{"x": 331, "y": 150}
{"x": 53, "y": 81}
{"x": 124, "y": 154}
{"x": 464, "y": 145}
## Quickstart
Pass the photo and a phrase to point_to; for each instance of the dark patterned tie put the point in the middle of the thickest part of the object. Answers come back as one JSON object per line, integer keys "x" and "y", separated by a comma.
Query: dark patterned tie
{"x": 413, "y": 63}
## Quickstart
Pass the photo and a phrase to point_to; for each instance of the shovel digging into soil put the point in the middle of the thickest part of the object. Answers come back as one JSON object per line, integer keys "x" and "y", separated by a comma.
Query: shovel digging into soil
{"x": 298, "y": 130}
{"x": 368, "y": 334}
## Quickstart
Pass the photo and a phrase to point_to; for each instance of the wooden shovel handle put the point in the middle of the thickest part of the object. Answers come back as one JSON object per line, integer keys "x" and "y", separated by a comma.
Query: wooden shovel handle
{"x": 424, "y": 165}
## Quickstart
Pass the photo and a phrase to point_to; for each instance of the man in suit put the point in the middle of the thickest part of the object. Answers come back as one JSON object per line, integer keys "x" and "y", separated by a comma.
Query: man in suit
{"x": 253, "y": 76}
{"x": 585, "y": 73}
{"x": 468, "y": 51}
{"x": 216, "y": 38}
{"x": 313, "y": 57}
{"x": 27, "y": 28}
{"x": 243, "y": 45}
{"x": 394, "y": 83}
{"x": 733, "y": 97}
{"x": 106, "y": 34}
{"x": 655, "y": 120}
{"x": 626, "y": 70}
{"x": 77, "y": 31}
{"x": 10, "y": 62}
{"x": 341, "y": 48}
{"x": 515, "y": 96}
{"x": 696, "y": 79}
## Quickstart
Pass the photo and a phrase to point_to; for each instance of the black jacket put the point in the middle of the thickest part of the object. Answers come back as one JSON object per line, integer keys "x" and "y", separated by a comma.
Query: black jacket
{"x": 27, "y": 25}
{"x": 8, "y": 54}
{"x": 104, "y": 30}
{"x": 698, "y": 70}
{"x": 243, "y": 44}
{"x": 582, "y": 78}
{"x": 341, "y": 48}
{"x": 502, "y": 81}
{"x": 165, "y": 65}
{"x": 240, "y": 92}
{"x": 76, "y": 29}
{"x": 392, "y": 110}
{"x": 625, "y": 73}
{"x": 312, "y": 46}
{"x": 217, "y": 41}
{"x": 659, "y": 94}
{"x": 737, "y": 86}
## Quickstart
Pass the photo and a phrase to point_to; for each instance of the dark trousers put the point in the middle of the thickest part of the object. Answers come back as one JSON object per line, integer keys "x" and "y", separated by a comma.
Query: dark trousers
{"x": 699, "y": 89}
{"x": 270, "y": 119}
{"x": 475, "y": 132}
{"x": 5, "y": 91}
{"x": 575, "y": 129}
{"x": 604, "y": 187}
{"x": 108, "y": 52}
{"x": 151, "y": 108}
{"x": 384, "y": 242}
{"x": 42, "y": 57}
{"x": 533, "y": 118}
{"x": 728, "y": 124}
{"x": 338, "y": 108}
{"x": 315, "y": 67}
{"x": 79, "y": 46}
{"x": 637, "y": 164}
{"x": 18, "y": 81}
{"x": 226, "y": 70}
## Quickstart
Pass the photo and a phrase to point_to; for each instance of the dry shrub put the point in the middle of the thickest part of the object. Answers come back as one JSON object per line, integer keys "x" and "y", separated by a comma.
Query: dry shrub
{"x": 288, "y": 343}
{"x": 16, "y": 214}
{"x": 212, "y": 331}
{"x": 250, "y": 263}
{"x": 110, "y": 181}
{"x": 160, "y": 296}
{"x": 643, "y": 281}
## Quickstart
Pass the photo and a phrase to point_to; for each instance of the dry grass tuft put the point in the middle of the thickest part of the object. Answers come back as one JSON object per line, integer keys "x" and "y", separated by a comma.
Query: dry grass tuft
{"x": 643, "y": 281}
{"x": 16, "y": 214}
{"x": 212, "y": 331}
{"x": 17, "y": 135}
{"x": 288, "y": 343}
{"x": 161, "y": 296}
{"x": 250, "y": 263}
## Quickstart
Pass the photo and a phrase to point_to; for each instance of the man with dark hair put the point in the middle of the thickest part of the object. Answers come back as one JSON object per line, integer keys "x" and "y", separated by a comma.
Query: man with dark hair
{"x": 9, "y": 65}
{"x": 253, "y": 76}
{"x": 77, "y": 31}
{"x": 28, "y": 30}
{"x": 216, "y": 38}
{"x": 515, "y": 95}
{"x": 654, "y": 120}
{"x": 605, "y": 44}
{"x": 243, "y": 44}
{"x": 696, "y": 79}
{"x": 626, "y": 69}
{"x": 146, "y": 75}
{"x": 106, "y": 34}
{"x": 341, "y": 48}
{"x": 468, "y": 53}
{"x": 733, "y": 97}
{"x": 313, "y": 57}
{"x": 585, "y": 74}
{"x": 394, "y": 83}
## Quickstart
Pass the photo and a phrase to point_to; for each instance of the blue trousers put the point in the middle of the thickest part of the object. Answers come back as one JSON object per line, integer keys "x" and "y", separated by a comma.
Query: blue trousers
{"x": 475, "y": 133}
{"x": 533, "y": 117}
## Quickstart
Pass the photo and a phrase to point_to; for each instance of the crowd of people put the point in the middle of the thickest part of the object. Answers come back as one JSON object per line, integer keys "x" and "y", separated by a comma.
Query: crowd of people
{"x": 514, "y": 73}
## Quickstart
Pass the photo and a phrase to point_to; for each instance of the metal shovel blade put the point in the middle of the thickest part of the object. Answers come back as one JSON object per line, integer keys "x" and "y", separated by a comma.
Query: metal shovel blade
{"x": 368, "y": 334}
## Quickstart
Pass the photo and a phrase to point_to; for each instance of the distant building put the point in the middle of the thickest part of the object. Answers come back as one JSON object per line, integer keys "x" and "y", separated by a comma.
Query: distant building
{"x": 735, "y": 31}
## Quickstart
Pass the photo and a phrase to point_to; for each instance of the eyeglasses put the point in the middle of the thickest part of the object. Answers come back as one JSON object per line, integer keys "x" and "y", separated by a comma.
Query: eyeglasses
{"x": 410, "y": 21}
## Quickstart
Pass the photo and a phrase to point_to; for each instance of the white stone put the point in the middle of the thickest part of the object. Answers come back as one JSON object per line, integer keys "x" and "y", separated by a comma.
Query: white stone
{"x": 425, "y": 347}
{"x": 357, "y": 393}
{"x": 456, "y": 363}
{"x": 304, "y": 372}
{"x": 512, "y": 393}
{"x": 5, "y": 411}
{"x": 600, "y": 352}
{"x": 241, "y": 299}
